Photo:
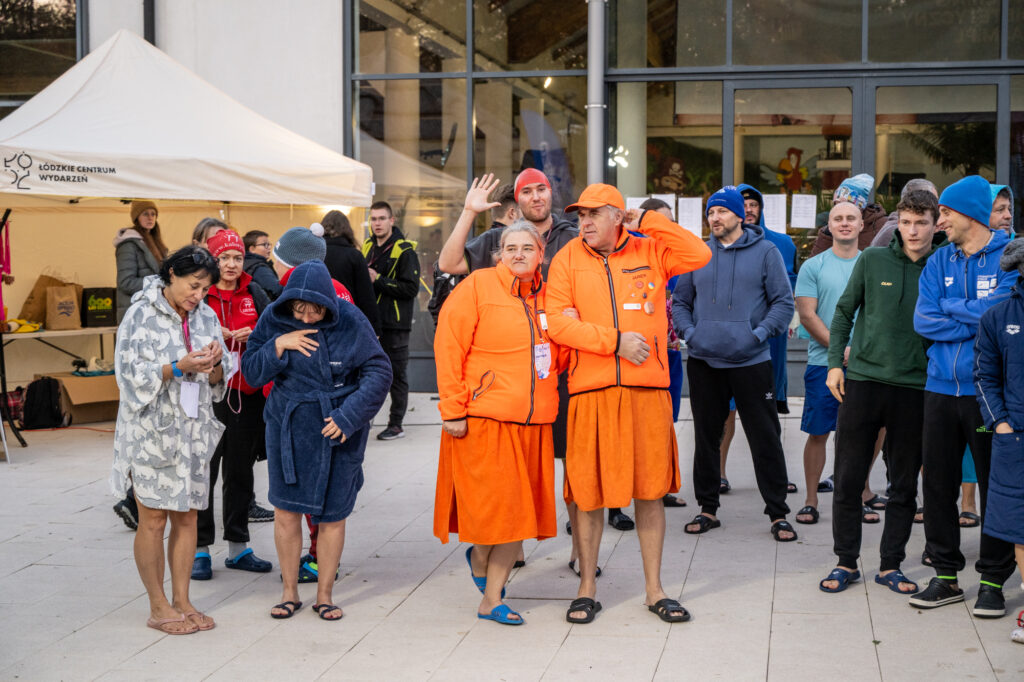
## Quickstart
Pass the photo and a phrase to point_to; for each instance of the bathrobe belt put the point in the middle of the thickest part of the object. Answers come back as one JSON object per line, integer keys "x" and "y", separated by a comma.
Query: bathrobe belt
{"x": 292, "y": 402}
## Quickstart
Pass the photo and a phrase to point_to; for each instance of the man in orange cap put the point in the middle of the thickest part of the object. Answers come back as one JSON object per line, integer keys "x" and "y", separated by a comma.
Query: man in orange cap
{"x": 606, "y": 296}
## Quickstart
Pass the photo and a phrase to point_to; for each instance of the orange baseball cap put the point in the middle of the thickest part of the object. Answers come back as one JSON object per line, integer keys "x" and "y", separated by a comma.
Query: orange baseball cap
{"x": 598, "y": 195}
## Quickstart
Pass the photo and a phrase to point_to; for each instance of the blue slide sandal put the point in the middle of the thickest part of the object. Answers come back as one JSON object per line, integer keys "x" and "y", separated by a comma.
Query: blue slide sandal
{"x": 844, "y": 578}
{"x": 501, "y": 614}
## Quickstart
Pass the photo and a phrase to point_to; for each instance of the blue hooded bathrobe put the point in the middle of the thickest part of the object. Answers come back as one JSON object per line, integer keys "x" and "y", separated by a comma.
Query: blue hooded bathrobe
{"x": 346, "y": 378}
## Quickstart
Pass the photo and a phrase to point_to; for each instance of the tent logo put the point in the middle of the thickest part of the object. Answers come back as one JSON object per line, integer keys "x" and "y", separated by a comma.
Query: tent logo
{"x": 19, "y": 167}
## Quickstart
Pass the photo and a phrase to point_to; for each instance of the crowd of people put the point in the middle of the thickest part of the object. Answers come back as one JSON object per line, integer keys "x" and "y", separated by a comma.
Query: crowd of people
{"x": 562, "y": 339}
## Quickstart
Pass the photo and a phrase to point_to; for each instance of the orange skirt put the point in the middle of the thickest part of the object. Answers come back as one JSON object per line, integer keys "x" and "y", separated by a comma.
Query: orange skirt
{"x": 621, "y": 447}
{"x": 496, "y": 484}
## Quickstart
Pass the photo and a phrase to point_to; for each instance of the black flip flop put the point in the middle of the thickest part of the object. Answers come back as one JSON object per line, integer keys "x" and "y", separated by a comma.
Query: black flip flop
{"x": 973, "y": 520}
{"x": 920, "y": 510}
{"x": 672, "y": 501}
{"x": 621, "y": 522}
{"x": 666, "y": 607}
{"x": 723, "y": 486}
{"x": 826, "y": 486}
{"x": 877, "y": 503}
{"x": 290, "y": 606}
{"x": 780, "y": 526}
{"x": 323, "y": 609}
{"x": 705, "y": 524}
{"x": 868, "y": 510}
{"x": 807, "y": 511}
{"x": 572, "y": 567}
{"x": 585, "y": 604}
{"x": 791, "y": 487}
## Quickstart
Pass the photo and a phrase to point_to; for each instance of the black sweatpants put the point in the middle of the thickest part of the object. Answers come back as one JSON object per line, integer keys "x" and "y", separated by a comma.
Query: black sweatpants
{"x": 753, "y": 388}
{"x": 395, "y": 343}
{"x": 867, "y": 407}
{"x": 950, "y": 424}
{"x": 244, "y": 437}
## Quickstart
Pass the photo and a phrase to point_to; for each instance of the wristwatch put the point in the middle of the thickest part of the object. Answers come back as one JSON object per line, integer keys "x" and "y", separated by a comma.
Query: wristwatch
{"x": 175, "y": 371}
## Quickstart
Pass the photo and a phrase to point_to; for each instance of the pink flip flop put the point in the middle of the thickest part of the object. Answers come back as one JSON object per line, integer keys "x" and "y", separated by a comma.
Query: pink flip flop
{"x": 158, "y": 624}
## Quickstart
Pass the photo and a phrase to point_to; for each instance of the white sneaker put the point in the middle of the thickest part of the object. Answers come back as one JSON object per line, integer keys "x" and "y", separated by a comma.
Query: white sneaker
{"x": 1017, "y": 636}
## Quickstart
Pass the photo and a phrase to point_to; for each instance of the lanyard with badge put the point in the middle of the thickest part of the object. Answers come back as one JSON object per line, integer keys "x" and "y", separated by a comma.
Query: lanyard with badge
{"x": 189, "y": 389}
{"x": 541, "y": 351}
{"x": 233, "y": 346}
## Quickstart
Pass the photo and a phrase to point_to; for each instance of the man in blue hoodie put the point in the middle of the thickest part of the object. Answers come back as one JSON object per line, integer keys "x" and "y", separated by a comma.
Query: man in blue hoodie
{"x": 726, "y": 312}
{"x": 960, "y": 282}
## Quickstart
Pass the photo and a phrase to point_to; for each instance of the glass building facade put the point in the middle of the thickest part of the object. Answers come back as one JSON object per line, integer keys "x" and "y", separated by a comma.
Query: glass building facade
{"x": 791, "y": 96}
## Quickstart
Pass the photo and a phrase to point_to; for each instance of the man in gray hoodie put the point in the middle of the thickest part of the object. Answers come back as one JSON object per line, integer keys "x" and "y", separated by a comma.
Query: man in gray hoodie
{"x": 726, "y": 311}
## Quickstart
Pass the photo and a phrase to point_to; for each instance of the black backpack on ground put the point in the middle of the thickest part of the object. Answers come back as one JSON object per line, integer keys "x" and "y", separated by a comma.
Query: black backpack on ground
{"x": 42, "y": 407}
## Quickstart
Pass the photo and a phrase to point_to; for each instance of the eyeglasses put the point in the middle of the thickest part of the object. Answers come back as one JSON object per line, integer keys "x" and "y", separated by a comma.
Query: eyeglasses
{"x": 262, "y": 245}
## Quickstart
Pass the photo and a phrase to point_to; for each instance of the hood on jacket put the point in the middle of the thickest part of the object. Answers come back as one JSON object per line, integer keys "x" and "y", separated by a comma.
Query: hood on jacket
{"x": 996, "y": 189}
{"x": 126, "y": 233}
{"x": 310, "y": 282}
{"x": 997, "y": 241}
{"x": 757, "y": 195}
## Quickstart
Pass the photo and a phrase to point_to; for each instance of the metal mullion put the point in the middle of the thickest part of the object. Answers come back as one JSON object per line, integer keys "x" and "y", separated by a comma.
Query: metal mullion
{"x": 864, "y": 18}
{"x": 349, "y": 50}
{"x": 815, "y": 70}
{"x": 1004, "y": 30}
{"x": 728, "y": 33}
{"x": 728, "y": 131}
{"x": 470, "y": 122}
{"x": 409, "y": 76}
{"x": 1003, "y": 130}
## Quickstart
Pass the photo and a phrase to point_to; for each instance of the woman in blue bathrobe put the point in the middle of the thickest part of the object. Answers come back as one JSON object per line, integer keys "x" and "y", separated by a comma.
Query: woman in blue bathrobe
{"x": 330, "y": 378}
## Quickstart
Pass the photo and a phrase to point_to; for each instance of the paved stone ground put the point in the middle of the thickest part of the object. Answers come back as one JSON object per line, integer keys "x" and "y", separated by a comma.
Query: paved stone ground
{"x": 73, "y": 606}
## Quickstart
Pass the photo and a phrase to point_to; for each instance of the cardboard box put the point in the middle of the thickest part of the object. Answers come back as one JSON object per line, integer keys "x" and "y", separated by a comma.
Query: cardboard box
{"x": 88, "y": 399}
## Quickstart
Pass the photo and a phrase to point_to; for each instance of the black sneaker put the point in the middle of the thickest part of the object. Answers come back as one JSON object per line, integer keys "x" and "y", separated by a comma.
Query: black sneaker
{"x": 990, "y": 602}
{"x": 128, "y": 512}
{"x": 391, "y": 433}
{"x": 938, "y": 593}
{"x": 258, "y": 514}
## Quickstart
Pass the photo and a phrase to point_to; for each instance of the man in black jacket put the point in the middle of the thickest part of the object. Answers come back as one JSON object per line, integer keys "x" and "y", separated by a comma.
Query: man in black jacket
{"x": 395, "y": 273}
{"x": 257, "y": 262}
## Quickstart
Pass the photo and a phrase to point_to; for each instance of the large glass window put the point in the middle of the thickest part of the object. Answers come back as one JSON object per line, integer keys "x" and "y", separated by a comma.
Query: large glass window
{"x": 407, "y": 36}
{"x": 533, "y": 123}
{"x": 1017, "y": 150}
{"x": 37, "y": 44}
{"x": 669, "y": 33}
{"x": 413, "y": 134}
{"x": 938, "y": 132}
{"x": 796, "y": 32}
{"x": 933, "y": 30}
{"x": 529, "y": 34}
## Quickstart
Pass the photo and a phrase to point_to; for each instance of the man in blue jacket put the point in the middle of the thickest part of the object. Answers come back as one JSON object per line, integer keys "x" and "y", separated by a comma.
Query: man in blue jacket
{"x": 960, "y": 282}
{"x": 726, "y": 312}
{"x": 999, "y": 380}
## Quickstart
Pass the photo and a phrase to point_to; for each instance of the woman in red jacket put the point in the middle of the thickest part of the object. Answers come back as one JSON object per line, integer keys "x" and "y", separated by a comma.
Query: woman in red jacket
{"x": 497, "y": 375}
{"x": 238, "y": 303}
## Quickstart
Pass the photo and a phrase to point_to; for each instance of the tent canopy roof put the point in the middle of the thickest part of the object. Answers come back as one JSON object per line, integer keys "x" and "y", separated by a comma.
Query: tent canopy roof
{"x": 92, "y": 133}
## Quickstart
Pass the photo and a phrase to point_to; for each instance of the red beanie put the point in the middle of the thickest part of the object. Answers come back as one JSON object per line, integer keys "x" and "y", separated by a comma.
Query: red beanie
{"x": 530, "y": 176}
{"x": 225, "y": 240}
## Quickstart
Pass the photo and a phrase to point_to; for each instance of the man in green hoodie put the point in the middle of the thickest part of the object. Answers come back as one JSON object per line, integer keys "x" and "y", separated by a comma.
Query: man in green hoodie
{"x": 883, "y": 386}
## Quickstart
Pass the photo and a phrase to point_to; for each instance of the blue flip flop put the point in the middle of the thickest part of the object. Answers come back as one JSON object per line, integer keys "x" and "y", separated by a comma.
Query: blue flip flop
{"x": 481, "y": 583}
{"x": 845, "y": 578}
{"x": 500, "y": 614}
{"x": 893, "y": 580}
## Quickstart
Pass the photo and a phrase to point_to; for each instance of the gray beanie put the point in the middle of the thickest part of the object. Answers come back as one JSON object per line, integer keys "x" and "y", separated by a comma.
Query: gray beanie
{"x": 1013, "y": 256}
{"x": 300, "y": 244}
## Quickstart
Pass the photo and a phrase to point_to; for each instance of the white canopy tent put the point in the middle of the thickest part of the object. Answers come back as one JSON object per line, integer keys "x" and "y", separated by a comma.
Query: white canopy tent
{"x": 92, "y": 133}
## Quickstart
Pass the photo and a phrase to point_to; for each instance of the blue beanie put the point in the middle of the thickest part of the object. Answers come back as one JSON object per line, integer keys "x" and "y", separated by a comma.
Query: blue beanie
{"x": 855, "y": 190}
{"x": 730, "y": 198}
{"x": 300, "y": 244}
{"x": 971, "y": 196}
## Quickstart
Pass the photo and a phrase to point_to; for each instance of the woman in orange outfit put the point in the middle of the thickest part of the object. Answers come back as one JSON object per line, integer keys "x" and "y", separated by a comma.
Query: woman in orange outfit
{"x": 497, "y": 375}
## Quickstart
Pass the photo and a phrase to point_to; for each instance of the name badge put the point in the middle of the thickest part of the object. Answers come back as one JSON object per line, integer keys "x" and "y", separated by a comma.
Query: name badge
{"x": 236, "y": 364}
{"x": 542, "y": 359}
{"x": 632, "y": 306}
{"x": 190, "y": 399}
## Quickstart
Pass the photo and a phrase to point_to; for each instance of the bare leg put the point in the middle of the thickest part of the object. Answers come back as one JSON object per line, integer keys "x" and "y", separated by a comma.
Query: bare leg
{"x": 149, "y": 560}
{"x": 967, "y": 503}
{"x": 181, "y": 548}
{"x": 814, "y": 464}
{"x": 288, "y": 540}
{"x": 329, "y": 544}
{"x": 590, "y": 525}
{"x": 728, "y": 432}
{"x": 573, "y": 515}
{"x": 1018, "y": 551}
{"x": 499, "y": 565}
{"x": 650, "y": 528}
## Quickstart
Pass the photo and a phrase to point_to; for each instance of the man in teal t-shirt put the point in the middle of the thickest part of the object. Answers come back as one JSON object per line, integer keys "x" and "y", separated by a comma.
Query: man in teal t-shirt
{"x": 821, "y": 282}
